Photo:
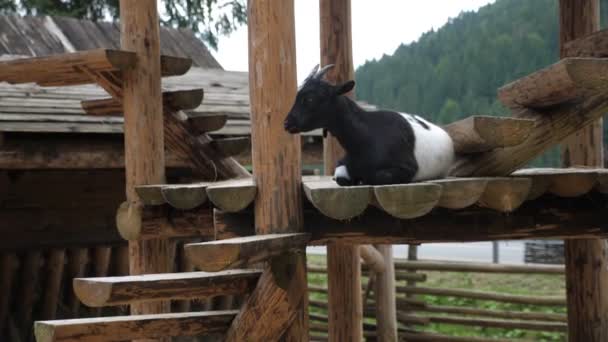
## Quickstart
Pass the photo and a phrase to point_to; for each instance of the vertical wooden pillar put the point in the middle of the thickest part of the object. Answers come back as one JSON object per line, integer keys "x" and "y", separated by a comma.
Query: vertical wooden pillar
{"x": 386, "y": 302}
{"x": 278, "y": 307}
{"x": 144, "y": 144}
{"x": 343, "y": 262}
{"x": 586, "y": 263}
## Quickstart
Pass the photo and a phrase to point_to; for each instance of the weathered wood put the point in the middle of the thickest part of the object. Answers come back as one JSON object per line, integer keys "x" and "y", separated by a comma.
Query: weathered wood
{"x": 484, "y": 133}
{"x": 460, "y": 193}
{"x": 59, "y": 69}
{"x": 8, "y": 268}
{"x": 411, "y": 319}
{"x": 173, "y": 65}
{"x": 55, "y": 266}
{"x": 219, "y": 255}
{"x": 230, "y": 147}
{"x": 101, "y": 261}
{"x": 185, "y": 196}
{"x": 473, "y": 294}
{"x": 588, "y": 45}
{"x": 30, "y": 275}
{"x": 144, "y": 223}
{"x": 407, "y": 201}
{"x": 520, "y": 315}
{"x": 565, "y": 81}
{"x": 78, "y": 259}
{"x": 505, "y": 194}
{"x": 337, "y": 202}
{"x": 426, "y": 336}
{"x": 542, "y": 218}
{"x": 208, "y": 123}
{"x": 232, "y": 195}
{"x": 410, "y": 277}
{"x": 566, "y": 182}
{"x": 505, "y": 324}
{"x": 384, "y": 292}
{"x": 586, "y": 264}
{"x": 109, "y": 291}
{"x": 372, "y": 258}
{"x": 452, "y": 266}
{"x": 603, "y": 183}
{"x": 143, "y": 131}
{"x": 177, "y": 100}
{"x": 133, "y": 327}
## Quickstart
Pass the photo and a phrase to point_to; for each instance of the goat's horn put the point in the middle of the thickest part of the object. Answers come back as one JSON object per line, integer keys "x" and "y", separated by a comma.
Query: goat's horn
{"x": 323, "y": 71}
{"x": 312, "y": 73}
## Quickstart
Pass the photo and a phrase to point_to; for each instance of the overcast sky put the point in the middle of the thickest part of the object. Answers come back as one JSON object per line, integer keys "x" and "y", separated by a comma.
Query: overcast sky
{"x": 379, "y": 26}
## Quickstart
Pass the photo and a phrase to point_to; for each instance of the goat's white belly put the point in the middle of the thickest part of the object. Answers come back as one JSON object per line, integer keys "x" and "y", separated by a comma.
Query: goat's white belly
{"x": 433, "y": 149}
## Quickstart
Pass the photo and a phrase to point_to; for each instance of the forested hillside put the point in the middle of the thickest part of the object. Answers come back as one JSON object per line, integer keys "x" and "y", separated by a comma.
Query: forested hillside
{"x": 454, "y": 72}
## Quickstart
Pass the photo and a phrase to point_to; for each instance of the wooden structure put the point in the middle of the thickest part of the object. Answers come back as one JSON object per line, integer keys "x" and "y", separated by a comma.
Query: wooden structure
{"x": 277, "y": 210}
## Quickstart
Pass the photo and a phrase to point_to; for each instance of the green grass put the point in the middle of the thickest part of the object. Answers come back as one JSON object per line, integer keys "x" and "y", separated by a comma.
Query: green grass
{"x": 532, "y": 285}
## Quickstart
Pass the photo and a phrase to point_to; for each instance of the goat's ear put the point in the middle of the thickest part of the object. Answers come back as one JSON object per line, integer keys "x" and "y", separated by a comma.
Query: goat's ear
{"x": 345, "y": 87}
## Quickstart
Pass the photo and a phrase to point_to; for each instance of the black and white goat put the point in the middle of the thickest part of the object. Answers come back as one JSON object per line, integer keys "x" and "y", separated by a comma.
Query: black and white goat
{"x": 382, "y": 147}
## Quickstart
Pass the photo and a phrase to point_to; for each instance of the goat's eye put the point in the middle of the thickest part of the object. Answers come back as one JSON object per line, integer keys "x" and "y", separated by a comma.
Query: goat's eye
{"x": 307, "y": 100}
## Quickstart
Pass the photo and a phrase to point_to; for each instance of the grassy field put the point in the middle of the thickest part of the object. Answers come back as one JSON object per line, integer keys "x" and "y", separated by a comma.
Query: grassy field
{"x": 533, "y": 285}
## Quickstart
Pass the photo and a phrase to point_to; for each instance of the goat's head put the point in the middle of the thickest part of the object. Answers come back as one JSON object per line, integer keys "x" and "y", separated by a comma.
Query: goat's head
{"x": 315, "y": 102}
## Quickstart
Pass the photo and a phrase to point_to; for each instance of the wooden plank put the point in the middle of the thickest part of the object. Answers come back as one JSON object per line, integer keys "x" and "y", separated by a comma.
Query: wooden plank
{"x": 145, "y": 223}
{"x": 483, "y": 133}
{"x": 542, "y": 218}
{"x": 230, "y": 147}
{"x": 564, "y": 81}
{"x": 459, "y": 193}
{"x": 337, "y": 202}
{"x": 177, "y": 100}
{"x": 505, "y": 324}
{"x": 593, "y": 44}
{"x": 60, "y": 69}
{"x": 427, "y": 336}
{"x": 566, "y": 182}
{"x": 452, "y": 266}
{"x": 208, "y": 123}
{"x": 232, "y": 195}
{"x": 134, "y": 327}
{"x": 372, "y": 258}
{"x": 407, "y": 201}
{"x": 78, "y": 259}
{"x": 519, "y": 315}
{"x": 505, "y": 194}
{"x": 55, "y": 268}
{"x": 384, "y": 292}
{"x": 174, "y": 65}
{"x": 481, "y": 295}
{"x": 110, "y": 291}
{"x": 185, "y": 196}
{"x": 30, "y": 277}
{"x": 219, "y": 255}
{"x": 8, "y": 268}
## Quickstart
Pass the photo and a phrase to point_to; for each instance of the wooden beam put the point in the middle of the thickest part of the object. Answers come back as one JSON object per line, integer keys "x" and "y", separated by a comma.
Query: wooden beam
{"x": 460, "y": 193}
{"x": 146, "y": 223}
{"x": 144, "y": 140}
{"x": 546, "y": 217}
{"x": 177, "y": 100}
{"x": 277, "y": 308}
{"x": 208, "y": 123}
{"x": 593, "y": 44}
{"x": 407, "y": 201}
{"x": 520, "y": 315}
{"x": 451, "y": 266}
{"x": 505, "y": 194}
{"x": 219, "y": 255}
{"x": 8, "y": 268}
{"x": 427, "y": 336}
{"x": 372, "y": 258}
{"x": 232, "y": 195}
{"x": 229, "y": 147}
{"x": 185, "y": 196}
{"x": 484, "y": 133}
{"x": 123, "y": 328}
{"x": 337, "y": 202}
{"x": 586, "y": 264}
{"x": 496, "y": 323}
{"x": 384, "y": 292}
{"x": 54, "y": 268}
{"x": 566, "y": 182}
{"x": 110, "y": 291}
{"x": 30, "y": 277}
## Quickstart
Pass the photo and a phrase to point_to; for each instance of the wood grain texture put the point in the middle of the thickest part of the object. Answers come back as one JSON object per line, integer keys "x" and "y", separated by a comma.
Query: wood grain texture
{"x": 8, "y": 267}
{"x": 335, "y": 201}
{"x": 385, "y": 296}
{"x": 407, "y": 201}
{"x": 177, "y": 100}
{"x": 372, "y": 258}
{"x": 232, "y": 195}
{"x": 586, "y": 264}
{"x": 229, "y": 147}
{"x": 594, "y": 44}
{"x": 55, "y": 267}
{"x": 484, "y": 133}
{"x": 505, "y": 194}
{"x": 520, "y": 315}
{"x": 133, "y": 327}
{"x": 219, "y": 255}
{"x": 459, "y": 193}
{"x": 208, "y": 123}
{"x": 565, "y": 182}
{"x": 185, "y": 196}
{"x": 109, "y": 291}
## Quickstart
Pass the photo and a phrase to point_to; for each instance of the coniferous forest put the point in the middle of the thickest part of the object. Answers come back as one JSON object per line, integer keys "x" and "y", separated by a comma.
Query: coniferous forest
{"x": 455, "y": 71}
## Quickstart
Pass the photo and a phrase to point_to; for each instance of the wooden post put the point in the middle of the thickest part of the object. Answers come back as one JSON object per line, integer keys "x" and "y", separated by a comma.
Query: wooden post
{"x": 386, "y": 303}
{"x": 586, "y": 263}
{"x": 343, "y": 262}
{"x": 144, "y": 144}
{"x": 279, "y": 304}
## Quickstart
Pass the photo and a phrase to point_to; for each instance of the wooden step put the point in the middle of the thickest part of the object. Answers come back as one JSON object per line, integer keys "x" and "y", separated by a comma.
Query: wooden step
{"x": 407, "y": 201}
{"x": 566, "y": 182}
{"x": 219, "y": 255}
{"x": 77, "y": 67}
{"x": 335, "y": 201}
{"x": 505, "y": 194}
{"x": 176, "y": 100}
{"x": 459, "y": 193}
{"x": 591, "y": 45}
{"x": 230, "y": 147}
{"x": 208, "y": 123}
{"x": 567, "y": 80}
{"x": 232, "y": 195}
{"x": 124, "y": 328}
{"x": 110, "y": 291}
{"x": 484, "y": 133}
